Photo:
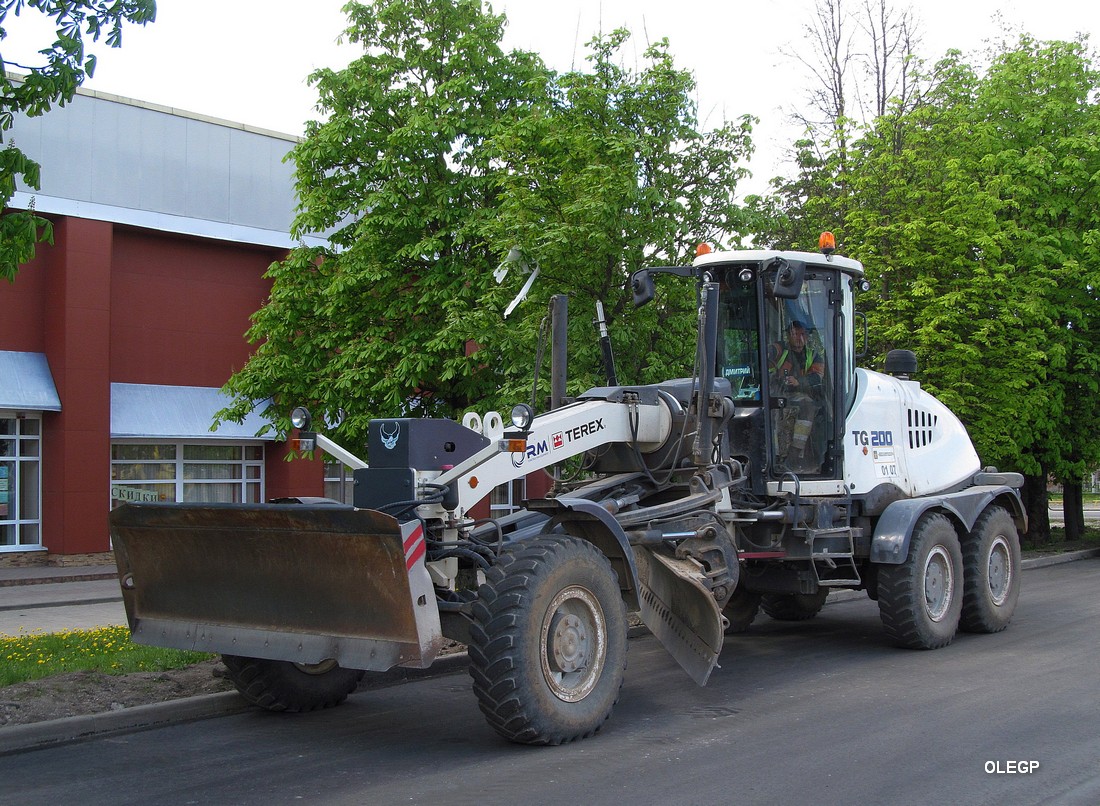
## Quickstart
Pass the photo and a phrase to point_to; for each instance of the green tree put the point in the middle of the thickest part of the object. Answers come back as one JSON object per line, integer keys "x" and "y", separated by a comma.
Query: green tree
{"x": 982, "y": 230}
{"x": 1040, "y": 135}
{"x": 53, "y": 80}
{"x": 441, "y": 154}
{"x": 383, "y": 319}
{"x": 613, "y": 175}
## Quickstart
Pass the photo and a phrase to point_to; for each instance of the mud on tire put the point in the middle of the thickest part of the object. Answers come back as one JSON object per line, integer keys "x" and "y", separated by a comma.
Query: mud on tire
{"x": 548, "y": 641}
{"x": 280, "y": 685}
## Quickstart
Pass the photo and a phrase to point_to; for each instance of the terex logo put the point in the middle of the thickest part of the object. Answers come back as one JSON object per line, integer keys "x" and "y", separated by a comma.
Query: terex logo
{"x": 591, "y": 427}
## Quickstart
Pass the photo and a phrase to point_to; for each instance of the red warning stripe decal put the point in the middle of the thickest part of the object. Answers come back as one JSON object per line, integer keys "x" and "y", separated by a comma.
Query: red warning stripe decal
{"x": 415, "y": 547}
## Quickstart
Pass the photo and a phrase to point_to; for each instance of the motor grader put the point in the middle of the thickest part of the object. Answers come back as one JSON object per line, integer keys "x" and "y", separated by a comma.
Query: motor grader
{"x": 702, "y": 500}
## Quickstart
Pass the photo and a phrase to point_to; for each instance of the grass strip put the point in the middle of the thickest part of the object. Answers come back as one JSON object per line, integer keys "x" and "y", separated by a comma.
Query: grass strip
{"x": 37, "y": 654}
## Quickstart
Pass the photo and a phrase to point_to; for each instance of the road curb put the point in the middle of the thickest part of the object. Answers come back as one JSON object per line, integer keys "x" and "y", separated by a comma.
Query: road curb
{"x": 1058, "y": 559}
{"x": 20, "y": 738}
{"x": 40, "y": 735}
{"x": 23, "y": 738}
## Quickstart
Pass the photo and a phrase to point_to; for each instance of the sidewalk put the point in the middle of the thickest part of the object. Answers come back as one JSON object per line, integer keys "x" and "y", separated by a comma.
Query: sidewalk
{"x": 49, "y": 599}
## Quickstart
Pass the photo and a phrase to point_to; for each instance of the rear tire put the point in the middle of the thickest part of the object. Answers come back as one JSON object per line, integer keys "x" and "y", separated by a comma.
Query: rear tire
{"x": 794, "y": 606}
{"x": 280, "y": 685}
{"x": 741, "y": 610}
{"x": 548, "y": 641}
{"x": 920, "y": 600}
{"x": 991, "y": 573}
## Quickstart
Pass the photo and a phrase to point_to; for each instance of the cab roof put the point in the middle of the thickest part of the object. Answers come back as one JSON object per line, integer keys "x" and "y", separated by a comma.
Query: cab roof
{"x": 845, "y": 264}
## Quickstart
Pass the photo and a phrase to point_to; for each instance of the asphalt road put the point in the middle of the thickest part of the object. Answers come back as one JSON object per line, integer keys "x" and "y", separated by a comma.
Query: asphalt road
{"x": 820, "y": 712}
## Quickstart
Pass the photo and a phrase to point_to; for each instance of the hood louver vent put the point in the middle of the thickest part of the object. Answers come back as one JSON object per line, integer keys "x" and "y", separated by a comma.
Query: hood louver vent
{"x": 922, "y": 428}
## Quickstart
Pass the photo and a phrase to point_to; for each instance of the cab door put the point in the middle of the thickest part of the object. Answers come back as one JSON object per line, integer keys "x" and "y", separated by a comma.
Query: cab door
{"x": 802, "y": 361}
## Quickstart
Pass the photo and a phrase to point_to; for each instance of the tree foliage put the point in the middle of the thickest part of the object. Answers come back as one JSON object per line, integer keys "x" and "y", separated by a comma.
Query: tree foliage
{"x": 613, "y": 175}
{"x": 977, "y": 212}
{"x": 54, "y": 79}
{"x": 439, "y": 157}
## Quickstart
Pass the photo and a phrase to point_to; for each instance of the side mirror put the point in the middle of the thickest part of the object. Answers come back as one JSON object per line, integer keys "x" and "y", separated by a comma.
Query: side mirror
{"x": 789, "y": 275}
{"x": 641, "y": 285}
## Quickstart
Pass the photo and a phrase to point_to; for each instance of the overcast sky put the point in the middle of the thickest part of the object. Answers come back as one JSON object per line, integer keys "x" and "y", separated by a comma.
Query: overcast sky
{"x": 247, "y": 60}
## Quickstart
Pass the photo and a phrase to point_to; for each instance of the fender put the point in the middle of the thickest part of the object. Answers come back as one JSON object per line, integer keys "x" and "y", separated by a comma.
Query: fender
{"x": 669, "y": 593}
{"x": 589, "y": 521}
{"x": 894, "y": 529}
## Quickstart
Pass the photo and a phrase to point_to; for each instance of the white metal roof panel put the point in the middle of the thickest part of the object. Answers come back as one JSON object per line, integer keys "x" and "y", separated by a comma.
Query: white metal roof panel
{"x": 195, "y": 175}
{"x": 153, "y": 411}
{"x": 26, "y": 382}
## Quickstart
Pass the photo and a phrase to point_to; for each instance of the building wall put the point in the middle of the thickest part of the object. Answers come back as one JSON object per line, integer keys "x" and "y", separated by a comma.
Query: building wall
{"x": 180, "y": 306}
{"x": 165, "y": 222}
{"x": 23, "y": 306}
{"x": 76, "y": 440}
{"x": 108, "y": 303}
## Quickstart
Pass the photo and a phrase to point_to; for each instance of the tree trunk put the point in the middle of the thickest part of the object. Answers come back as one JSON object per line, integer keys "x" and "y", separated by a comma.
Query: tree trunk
{"x": 1073, "y": 508}
{"x": 1035, "y": 504}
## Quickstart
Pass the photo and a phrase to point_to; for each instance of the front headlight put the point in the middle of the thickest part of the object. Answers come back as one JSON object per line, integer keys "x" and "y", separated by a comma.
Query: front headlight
{"x": 300, "y": 419}
{"x": 522, "y": 416}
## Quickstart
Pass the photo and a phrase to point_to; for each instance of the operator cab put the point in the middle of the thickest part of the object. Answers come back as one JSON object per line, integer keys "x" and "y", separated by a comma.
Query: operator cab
{"x": 785, "y": 344}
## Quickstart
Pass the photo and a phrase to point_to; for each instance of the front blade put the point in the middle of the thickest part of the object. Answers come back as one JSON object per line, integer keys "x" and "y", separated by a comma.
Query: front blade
{"x": 280, "y": 581}
{"x": 678, "y": 608}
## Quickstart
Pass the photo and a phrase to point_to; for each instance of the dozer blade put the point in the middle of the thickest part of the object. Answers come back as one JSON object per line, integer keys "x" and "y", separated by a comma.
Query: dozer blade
{"x": 279, "y": 581}
{"x": 678, "y": 608}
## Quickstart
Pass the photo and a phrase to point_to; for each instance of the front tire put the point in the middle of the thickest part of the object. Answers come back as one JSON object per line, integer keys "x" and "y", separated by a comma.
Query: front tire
{"x": 920, "y": 600}
{"x": 280, "y": 685}
{"x": 548, "y": 641}
{"x": 794, "y": 606}
{"x": 991, "y": 573}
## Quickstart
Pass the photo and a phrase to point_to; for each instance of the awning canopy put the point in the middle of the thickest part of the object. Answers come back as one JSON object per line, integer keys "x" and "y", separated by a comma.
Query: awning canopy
{"x": 176, "y": 412}
{"x": 26, "y": 382}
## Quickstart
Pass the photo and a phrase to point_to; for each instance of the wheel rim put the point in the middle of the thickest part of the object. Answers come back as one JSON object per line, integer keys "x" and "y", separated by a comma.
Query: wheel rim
{"x": 939, "y": 583}
{"x": 1000, "y": 571}
{"x": 573, "y": 644}
{"x": 323, "y": 667}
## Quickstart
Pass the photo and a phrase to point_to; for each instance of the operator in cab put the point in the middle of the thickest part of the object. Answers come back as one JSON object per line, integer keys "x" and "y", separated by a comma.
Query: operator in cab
{"x": 797, "y": 374}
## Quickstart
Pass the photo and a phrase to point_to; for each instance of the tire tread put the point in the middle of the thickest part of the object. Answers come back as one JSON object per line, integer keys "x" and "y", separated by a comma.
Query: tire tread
{"x": 900, "y": 592}
{"x": 280, "y": 686}
{"x": 498, "y": 617}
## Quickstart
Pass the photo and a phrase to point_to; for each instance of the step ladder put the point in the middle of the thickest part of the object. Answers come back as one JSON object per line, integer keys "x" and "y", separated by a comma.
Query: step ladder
{"x": 832, "y": 552}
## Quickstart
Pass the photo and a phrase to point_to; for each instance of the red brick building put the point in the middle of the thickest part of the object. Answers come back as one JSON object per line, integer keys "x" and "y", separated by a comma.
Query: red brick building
{"x": 115, "y": 340}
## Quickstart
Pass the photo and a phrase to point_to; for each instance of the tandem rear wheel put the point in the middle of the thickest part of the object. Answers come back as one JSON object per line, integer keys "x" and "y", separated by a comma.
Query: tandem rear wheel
{"x": 991, "y": 573}
{"x": 946, "y": 584}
